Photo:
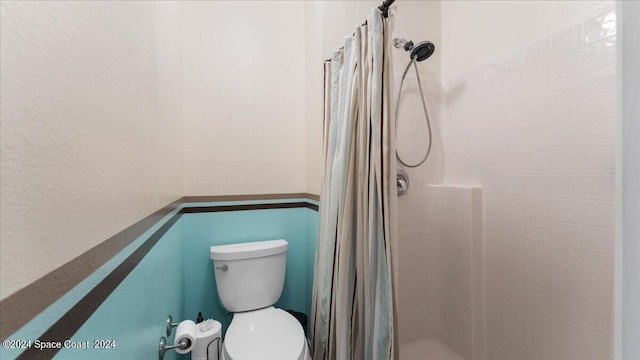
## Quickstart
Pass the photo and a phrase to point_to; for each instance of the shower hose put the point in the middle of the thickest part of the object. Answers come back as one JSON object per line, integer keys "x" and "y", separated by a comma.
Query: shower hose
{"x": 424, "y": 107}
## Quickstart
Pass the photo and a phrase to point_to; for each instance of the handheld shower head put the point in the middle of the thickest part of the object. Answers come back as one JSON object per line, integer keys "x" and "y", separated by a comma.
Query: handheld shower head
{"x": 423, "y": 50}
{"x": 420, "y": 52}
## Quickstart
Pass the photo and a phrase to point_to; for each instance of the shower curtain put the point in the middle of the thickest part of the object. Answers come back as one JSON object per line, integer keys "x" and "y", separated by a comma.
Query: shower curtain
{"x": 353, "y": 314}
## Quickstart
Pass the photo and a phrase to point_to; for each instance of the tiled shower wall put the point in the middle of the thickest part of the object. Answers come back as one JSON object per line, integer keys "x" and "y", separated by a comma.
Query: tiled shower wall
{"x": 439, "y": 269}
{"x": 440, "y": 265}
{"x": 536, "y": 129}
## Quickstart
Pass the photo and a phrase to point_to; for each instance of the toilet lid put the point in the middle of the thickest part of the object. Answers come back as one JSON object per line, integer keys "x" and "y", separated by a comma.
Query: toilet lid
{"x": 265, "y": 334}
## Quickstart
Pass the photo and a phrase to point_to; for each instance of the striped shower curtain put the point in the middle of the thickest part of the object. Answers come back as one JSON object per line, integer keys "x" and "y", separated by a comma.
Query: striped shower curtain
{"x": 353, "y": 314}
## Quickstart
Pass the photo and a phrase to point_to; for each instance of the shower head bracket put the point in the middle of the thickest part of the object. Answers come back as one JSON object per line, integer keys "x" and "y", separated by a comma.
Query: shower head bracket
{"x": 408, "y": 46}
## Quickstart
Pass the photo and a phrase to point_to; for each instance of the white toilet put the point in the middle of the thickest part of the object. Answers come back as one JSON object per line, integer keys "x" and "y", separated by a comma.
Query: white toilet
{"x": 250, "y": 277}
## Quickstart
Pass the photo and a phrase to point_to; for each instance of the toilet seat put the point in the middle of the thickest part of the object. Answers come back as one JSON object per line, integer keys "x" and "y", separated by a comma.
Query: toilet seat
{"x": 265, "y": 334}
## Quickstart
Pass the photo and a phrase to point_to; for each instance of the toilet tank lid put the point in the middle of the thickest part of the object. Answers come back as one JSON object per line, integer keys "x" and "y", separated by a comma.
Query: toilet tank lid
{"x": 248, "y": 250}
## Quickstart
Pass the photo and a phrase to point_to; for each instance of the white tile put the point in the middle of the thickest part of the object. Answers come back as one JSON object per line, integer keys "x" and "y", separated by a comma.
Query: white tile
{"x": 537, "y": 73}
{"x": 536, "y": 344}
{"x": 506, "y": 204}
{"x": 588, "y": 135}
{"x": 600, "y": 27}
{"x": 512, "y": 80}
{"x": 566, "y": 332}
{"x": 513, "y": 101}
{"x": 561, "y": 351}
{"x": 590, "y": 82}
{"x": 568, "y": 87}
{"x": 568, "y": 63}
{"x": 568, "y": 283}
{"x": 547, "y": 232}
{"x": 598, "y": 345}
{"x": 597, "y": 318}
{"x": 598, "y": 161}
{"x": 512, "y": 60}
{"x": 495, "y": 223}
{"x": 452, "y": 199}
{"x": 596, "y": 265}
{"x": 538, "y": 297}
{"x": 522, "y": 142}
{"x": 596, "y": 291}
{"x": 425, "y": 214}
{"x": 514, "y": 267}
{"x": 597, "y": 187}
{"x": 506, "y": 244}
{"x": 538, "y": 275}
{"x": 596, "y": 107}
{"x": 496, "y": 242}
{"x": 565, "y": 210}
{"x": 453, "y": 219}
{"x": 540, "y": 208}
{"x": 537, "y": 319}
{"x": 493, "y": 260}
{"x": 598, "y": 213}
{"x": 600, "y": 53}
{"x": 567, "y": 39}
{"x": 538, "y": 51}
{"x": 598, "y": 80}
{"x": 539, "y": 253}
{"x": 535, "y": 163}
{"x": 569, "y": 259}
{"x": 561, "y": 186}
{"x": 595, "y": 239}
{"x": 565, "y": 307}
{"x": 504, "y": 184}
{"x": 538, "y": 125}
{"x": 587, "y": 161}
{"x": 585, "y": 109}
{"x": 538, "y": 94}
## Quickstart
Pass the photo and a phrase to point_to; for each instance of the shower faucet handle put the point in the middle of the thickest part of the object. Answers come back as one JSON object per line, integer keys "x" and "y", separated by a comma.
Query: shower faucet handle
{"x": 402, "y": 182}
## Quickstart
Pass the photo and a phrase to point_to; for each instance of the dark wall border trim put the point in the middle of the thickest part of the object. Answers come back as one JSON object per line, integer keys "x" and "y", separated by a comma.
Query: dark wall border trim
{"x": 202, "y": 209}
{"x": 216, "y": 198}
{"x": 70, "y": 322}
{"x": 22, "y": 306}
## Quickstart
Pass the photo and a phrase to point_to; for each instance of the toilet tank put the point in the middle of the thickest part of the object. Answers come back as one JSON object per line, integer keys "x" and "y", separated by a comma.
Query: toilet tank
{"x": 249, "y": 275}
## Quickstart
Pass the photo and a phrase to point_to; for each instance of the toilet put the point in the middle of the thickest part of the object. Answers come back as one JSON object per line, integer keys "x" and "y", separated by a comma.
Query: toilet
{"x": 250, "y": 278}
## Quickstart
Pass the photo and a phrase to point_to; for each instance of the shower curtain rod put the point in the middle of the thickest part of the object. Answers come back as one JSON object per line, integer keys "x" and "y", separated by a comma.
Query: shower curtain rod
{"x": 385, "y": 12}
{"x": 385, "y": 7}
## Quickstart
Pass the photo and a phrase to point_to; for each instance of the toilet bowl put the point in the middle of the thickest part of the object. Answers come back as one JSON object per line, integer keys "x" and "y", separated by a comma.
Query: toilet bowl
{"x": 267, "y": 334}
{"x": 250, "y": 279}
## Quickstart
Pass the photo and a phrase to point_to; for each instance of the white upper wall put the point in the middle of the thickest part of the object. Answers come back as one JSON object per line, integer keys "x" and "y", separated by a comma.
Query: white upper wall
{"x": 476, "y": 31}
{"x": 313, "y": 90}
{"x": 91, "y": 137}
{"x": 243, "y": 97}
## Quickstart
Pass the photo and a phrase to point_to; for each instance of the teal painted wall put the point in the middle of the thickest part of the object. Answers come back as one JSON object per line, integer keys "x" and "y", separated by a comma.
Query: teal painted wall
{"x": 176, "y": 278}
{"x": 134, "y": 314}
{"x": 312, "y": 232}
{"x": 202, "y": 230}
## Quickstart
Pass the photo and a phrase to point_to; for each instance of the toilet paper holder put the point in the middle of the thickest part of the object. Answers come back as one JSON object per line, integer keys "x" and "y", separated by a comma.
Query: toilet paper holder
{"x": 163, "y": 347}
{"x": 171, "y": 325}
